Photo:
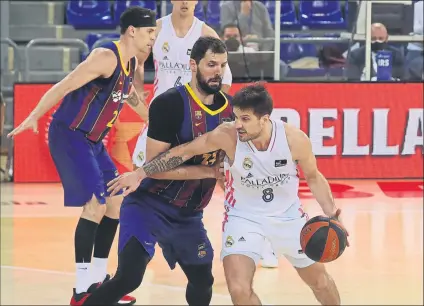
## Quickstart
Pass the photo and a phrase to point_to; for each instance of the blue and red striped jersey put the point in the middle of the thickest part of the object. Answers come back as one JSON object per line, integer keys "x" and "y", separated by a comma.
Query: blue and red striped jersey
{"x": 198, "y": 119}
{"x": 94, "y": 107}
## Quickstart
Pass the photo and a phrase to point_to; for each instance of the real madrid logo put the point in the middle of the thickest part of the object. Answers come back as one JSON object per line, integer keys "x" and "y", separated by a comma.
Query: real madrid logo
{"x": 247, "y": 163}
{"x": 140, "y": 156}
{"x": 229, "y": 242}
{"x": 165, "y": 47}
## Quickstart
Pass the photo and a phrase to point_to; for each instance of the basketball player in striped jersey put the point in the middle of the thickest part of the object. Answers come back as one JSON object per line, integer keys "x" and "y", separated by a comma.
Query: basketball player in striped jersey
{"x": 261, "y": 192}
{"x": 93, "y": 96}
{"x": 168, "y": 209}
{"x": 176, "y": 35}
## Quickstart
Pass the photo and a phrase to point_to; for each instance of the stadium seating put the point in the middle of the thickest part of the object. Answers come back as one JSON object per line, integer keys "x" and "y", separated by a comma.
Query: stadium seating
{"x": 213, "y": 13}
{"x": 119, "y": 6}
{"x": 321, "y": 14}
{"x": 198, "y": 11}
{"x": 289, "y": 18}
{"x": 89, "y": 14}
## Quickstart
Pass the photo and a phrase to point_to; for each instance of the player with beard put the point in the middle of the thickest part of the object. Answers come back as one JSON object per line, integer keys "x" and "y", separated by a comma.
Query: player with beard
{"x": 176, "y": 35}
{"x": 168, "y": 208}
{"x": 261, "y": 192}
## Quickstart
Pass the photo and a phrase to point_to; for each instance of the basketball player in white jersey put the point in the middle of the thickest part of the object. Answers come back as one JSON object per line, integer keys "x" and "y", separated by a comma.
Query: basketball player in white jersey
{"x": 261, "y": 192}
{"x": 176, "y": 35}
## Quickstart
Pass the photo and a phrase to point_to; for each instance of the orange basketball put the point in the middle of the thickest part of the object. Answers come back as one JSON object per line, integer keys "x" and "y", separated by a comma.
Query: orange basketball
{"x": 323, "y": 239}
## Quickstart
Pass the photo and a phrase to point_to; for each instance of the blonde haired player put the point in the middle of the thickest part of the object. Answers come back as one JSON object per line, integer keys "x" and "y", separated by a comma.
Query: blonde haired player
{"x": 261, "y": 192}
{"x": 176, "y": 35}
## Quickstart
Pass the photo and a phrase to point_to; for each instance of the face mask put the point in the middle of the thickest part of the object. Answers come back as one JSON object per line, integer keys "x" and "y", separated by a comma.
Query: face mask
{"x": 378, "y": 45}
{"x": 232, "y": 44}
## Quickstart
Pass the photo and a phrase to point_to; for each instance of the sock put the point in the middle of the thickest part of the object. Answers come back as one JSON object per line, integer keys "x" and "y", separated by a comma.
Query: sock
{"x": 98, "y": 270}
{"x": 102, "y": 245}
{"x": 84, "y": 241}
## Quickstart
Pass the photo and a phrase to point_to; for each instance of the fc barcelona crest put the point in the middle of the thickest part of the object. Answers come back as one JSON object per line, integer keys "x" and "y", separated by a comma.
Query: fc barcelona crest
{"x": 198, "y": 114}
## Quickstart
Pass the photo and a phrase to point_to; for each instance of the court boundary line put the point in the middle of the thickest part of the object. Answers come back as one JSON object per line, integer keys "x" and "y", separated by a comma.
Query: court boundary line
{"x": 148, "y": 284}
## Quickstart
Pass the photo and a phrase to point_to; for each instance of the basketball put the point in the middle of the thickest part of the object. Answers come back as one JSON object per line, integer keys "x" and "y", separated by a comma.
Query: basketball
{"x": 323, "y": 239}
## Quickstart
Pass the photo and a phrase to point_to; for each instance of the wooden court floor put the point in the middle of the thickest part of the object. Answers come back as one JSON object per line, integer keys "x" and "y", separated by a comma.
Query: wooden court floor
{"x": 383, "y": 266}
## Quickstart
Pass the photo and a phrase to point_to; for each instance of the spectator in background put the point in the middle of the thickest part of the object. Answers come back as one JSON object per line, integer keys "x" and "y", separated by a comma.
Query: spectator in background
{"x": 253, "y": 19}
{"x": 2, "y": 111}
{"x": 231, "y": 37}
{"x": 415, "y": 53}
{"x": 379, "y": 38}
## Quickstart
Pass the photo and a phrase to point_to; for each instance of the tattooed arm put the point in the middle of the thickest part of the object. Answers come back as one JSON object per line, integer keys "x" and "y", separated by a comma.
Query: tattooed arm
{"x": 137, "y": 97}
{"x": 138, "y": 104}
{"x": 222, "y": 138}
{"x": 219, "y": 139}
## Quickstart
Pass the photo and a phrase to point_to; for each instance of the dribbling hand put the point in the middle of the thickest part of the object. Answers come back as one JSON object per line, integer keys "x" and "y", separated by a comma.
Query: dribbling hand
{"x": 128, "y": 181}
{"x": 339, "y": 219}
{"x": 29, "y": 123}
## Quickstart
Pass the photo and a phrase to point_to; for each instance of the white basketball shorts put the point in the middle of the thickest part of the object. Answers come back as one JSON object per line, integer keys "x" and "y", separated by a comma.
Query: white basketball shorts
{"x": 247, "y": 237}
{"x": 139, "y": 154}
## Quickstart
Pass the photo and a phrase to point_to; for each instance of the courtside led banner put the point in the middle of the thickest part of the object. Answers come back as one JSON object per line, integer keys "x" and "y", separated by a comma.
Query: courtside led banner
{"x": 357, "y": 130}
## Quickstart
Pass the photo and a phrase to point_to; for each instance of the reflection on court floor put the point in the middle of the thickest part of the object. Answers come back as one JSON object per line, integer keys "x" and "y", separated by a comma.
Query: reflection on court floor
{"x": 384, "y": 264}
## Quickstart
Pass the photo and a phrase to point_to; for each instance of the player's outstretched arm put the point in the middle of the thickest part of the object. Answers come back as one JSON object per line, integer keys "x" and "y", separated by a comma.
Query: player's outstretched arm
{"x": 176, "y": 156}
{"x": 167, "y": 161}
{"x": 100, "y": 63}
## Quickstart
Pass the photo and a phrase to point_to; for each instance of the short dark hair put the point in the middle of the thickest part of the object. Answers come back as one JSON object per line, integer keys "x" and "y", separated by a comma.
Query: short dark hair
{"x": 137, "y": 17}
{"x": 254, "y": 97}
{"x": 205, "y": 43}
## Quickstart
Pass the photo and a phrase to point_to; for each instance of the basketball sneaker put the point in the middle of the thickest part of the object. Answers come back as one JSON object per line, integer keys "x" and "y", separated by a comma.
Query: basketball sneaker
{"x": 78, "y": 299}
{"x": 125, "y": 300}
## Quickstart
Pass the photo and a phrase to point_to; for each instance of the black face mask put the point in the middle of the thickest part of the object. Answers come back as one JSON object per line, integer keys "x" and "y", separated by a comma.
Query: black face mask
{"x": 232, "y": 44}
{"x": 378, "y": 45}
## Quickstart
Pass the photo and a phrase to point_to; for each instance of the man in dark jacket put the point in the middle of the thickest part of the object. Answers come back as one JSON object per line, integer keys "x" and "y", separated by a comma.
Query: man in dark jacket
{"x": 356, "y": 59}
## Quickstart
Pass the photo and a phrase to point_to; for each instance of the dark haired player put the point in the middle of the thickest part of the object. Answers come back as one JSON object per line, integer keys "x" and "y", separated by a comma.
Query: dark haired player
{"x": 93, "y": 96}
{"x": 168, "y": 208}
{"x": 261, "y": 192}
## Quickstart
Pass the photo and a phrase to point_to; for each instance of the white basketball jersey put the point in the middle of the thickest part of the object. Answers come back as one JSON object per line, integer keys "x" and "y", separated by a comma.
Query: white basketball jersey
{"x": 171, "y": 55}
{"x": 263, "y": 183}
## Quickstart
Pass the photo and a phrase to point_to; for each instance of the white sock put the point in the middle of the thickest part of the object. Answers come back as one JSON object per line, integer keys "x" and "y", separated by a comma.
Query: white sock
{"x": 83, "y": 280}
{"x": 98, "y": 269}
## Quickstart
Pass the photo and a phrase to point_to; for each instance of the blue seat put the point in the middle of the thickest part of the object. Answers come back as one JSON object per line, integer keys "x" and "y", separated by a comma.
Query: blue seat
{"x": 321, "y": 14}
{"x": 119, "y": 6}
{"x": 307, "y": 49}
{"x": 213, "y": 13}
{"x": 289, "y": 51}
{"x": 198, "y": 11}
{"x": 89, "y": 14}
{"x": 289, "y": 20}
{"x": 92, "y": 38}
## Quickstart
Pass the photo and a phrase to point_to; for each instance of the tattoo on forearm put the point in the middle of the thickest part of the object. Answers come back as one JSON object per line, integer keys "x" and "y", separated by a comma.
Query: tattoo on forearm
{"x": 133, "y": 99}
{"x": 162, "y": 164}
